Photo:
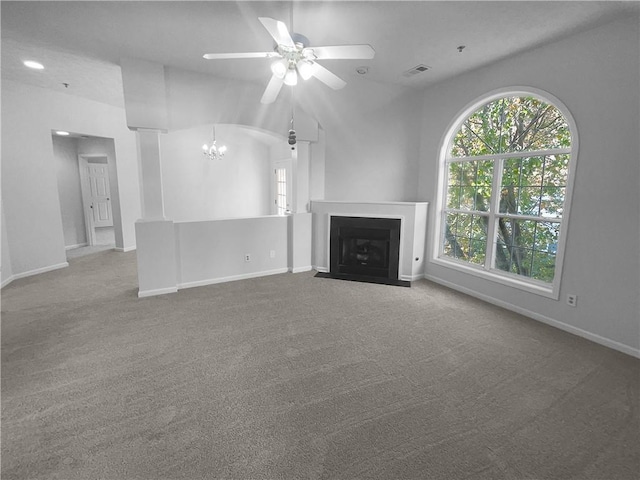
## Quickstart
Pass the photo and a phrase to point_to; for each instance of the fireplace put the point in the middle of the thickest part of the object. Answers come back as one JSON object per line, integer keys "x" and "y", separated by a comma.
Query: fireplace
{"x": 365, "y": 249}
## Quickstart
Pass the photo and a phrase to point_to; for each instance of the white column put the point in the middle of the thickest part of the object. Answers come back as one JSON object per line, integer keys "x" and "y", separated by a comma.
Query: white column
{"x": 301, "y": 178}
{"x": 155, "y": 235}
{"x": 299, "y": 240}
{"x": 150, "y": 174}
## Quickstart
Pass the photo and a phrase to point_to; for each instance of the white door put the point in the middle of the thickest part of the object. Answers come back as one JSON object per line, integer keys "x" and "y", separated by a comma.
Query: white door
{"x": 100, "y": 195}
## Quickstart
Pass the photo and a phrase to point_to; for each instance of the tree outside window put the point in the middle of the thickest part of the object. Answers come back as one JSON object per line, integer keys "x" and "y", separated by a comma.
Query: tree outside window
{"x": 506, "y": 185}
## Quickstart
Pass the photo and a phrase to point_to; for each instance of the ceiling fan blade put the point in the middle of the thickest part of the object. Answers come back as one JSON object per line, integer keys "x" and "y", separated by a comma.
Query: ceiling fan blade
{"x": 278, "y": 31}
{"x": 340, "y": 52}
{"x": 327, "y": 77}
{"x": 225, "y": 56}
{"x": 272, "y": 90}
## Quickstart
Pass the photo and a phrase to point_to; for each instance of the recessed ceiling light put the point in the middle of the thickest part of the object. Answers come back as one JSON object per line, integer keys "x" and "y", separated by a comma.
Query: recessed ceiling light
{"x": 34, "y": 65}
{"x": 62, "y": 133}
{"x": 362, "y": 70}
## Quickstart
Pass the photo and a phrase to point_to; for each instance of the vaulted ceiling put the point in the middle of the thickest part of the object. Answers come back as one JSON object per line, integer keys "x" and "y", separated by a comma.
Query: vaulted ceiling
{"x": 81, "y": 43}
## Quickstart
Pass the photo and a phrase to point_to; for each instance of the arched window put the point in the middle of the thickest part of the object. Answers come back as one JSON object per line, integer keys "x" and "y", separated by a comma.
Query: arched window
{"x": 505, "y": 190}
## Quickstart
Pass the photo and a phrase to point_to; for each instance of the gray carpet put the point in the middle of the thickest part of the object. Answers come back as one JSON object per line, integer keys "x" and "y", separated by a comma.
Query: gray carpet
{"x": 296, "y": 377}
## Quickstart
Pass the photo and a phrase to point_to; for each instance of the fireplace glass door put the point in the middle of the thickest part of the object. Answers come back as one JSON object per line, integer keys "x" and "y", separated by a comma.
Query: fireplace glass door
{"x": 363, "y": 246}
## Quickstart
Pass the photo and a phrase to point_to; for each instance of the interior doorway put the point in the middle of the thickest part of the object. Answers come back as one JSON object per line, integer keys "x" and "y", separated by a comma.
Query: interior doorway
{"x": 81, "y": 187}
{"x": 96, "y": 199}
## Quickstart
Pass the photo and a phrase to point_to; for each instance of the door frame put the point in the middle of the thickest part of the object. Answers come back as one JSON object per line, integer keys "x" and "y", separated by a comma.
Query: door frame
{"x": 83, "y": 165}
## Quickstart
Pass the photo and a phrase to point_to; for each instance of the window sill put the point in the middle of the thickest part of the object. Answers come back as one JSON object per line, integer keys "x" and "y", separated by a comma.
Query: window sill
{"x": 544, "y": 290}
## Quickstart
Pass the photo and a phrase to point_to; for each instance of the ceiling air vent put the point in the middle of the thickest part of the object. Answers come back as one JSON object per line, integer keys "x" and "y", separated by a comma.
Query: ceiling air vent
{"x": 415, "y": 70}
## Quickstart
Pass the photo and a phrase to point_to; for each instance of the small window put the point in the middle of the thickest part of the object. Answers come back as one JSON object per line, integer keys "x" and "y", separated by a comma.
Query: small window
{"x": 505, "y": 192}
{"x": 281, "y": 191}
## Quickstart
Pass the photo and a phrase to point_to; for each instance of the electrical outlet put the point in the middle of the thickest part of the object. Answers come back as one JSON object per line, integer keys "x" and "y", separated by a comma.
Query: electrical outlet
{"x": 272, "y": 254}
{"x": 572, "y": 300}
{"x": 247, "y": 257}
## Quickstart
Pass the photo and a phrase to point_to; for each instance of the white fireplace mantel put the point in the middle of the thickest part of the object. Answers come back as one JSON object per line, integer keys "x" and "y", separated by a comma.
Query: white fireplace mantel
{"x": 413, "y": 230}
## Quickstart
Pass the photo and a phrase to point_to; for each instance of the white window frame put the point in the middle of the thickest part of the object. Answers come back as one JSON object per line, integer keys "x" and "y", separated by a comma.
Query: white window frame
{"x": 281, "y": 190}
{"x": 551, "y": 290}
{"x": 277, "y": 207}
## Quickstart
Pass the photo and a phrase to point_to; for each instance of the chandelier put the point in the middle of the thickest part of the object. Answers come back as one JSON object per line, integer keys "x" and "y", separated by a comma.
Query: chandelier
{"x": 213, "y": 152}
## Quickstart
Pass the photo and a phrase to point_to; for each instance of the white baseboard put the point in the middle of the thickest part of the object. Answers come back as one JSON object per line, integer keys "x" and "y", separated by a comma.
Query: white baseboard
{"x": 36, "y": 271}
{"x": 78, "y": 245}
{"x": 621, "y": 347}
{"x": 157, "y": 291}
{"x": 301, "y": 269}
{"x": 411, "y": 278}
{"x": 321, "y": 269}
{"x": 233, "y": 278}
{"x": 125, "y": 249}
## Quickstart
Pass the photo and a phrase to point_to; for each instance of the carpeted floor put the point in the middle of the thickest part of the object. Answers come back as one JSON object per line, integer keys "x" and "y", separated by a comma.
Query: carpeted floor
{"x": 297, "y": 377}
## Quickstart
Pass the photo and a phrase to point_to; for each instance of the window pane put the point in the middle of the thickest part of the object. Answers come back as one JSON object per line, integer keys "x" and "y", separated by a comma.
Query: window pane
{"x": 455, "y": 173}
{"x": 484, "y": 173}
{"x": 467, "y": 198}
{"x": 466, "y": 237}
{"x": 509, "y": 200}
{"x": 522, "y": 179}
{"x": 453, "y": 197}
{"x": 529, "y": 201}
{"x": 452, "y": 247}
{"x": 464, "y": 225}
{"x": 511, "y": 124}
{"x": 469, "y": 185}
{"x": 523, "y": 172}
{"x": 531, "y": 171}
{"x": 531, "y": 124}
{"x": 527, "y": 247}
{"x": 471, "y": 139}
{"x": 552, "y": 202}
{"x": 556, "y": 169}
{"x": 511, "y": 168}
{"x": 543, "y": 267}
{"x": 478, "y": 239}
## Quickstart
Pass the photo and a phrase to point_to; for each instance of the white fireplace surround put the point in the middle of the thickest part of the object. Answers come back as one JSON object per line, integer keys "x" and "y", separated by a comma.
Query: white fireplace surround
{"x": 413, "y": 230}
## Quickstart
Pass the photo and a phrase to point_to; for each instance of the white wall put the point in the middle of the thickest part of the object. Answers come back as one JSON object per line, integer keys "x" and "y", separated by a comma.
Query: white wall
{"x": 29, "y": 184}
{"x": 196, "y": 188}
{"x": 369, "y": 146}
{"x": 7, "y": 270}
{"x": 372, "y": 139}
{"x": 211, "y": 252}
{"x": 65, "y": 152}
{"x": 596, "y": 75}
{"x": 198, "y": 99}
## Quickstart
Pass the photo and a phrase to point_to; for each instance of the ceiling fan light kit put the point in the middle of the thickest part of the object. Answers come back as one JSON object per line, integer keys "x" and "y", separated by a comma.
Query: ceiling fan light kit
{"x": 295, "y": 57}
{"x": 279, "y": 68}
{"x": 291, "y": 78}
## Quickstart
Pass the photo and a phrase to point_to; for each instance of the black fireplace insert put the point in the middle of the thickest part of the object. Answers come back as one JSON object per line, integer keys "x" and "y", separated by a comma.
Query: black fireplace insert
{"x": 365, "y": 249}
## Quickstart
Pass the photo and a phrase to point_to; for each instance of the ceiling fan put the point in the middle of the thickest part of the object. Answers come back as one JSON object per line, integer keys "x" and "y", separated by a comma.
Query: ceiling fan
{"x": 293, "y": 56}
